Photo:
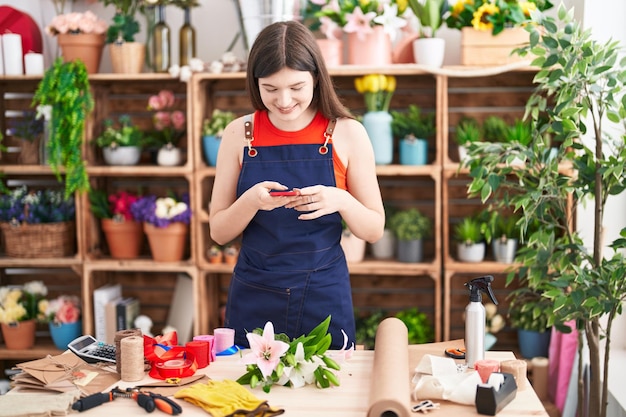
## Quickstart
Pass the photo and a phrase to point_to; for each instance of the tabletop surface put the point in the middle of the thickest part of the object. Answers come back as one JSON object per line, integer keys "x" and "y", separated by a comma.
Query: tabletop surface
{"x": 351, "y": 398}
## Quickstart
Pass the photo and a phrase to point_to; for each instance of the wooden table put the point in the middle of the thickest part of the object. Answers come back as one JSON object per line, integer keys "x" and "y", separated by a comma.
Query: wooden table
{"x": 351, "y": 399}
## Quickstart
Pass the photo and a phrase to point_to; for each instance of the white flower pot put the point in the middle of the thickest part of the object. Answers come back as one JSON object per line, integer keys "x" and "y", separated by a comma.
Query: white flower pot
{"x": 385, "y": 247}
{"x": 169, "y": 156}
{"x": 122, "y": 155}
{"x": 471, "y": 253}
{"x": 353, "y": 247}
{"x": 429, "y": 51}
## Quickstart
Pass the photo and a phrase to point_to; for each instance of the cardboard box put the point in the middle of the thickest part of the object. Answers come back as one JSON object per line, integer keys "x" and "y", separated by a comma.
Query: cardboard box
{"x": 481, "y": 48}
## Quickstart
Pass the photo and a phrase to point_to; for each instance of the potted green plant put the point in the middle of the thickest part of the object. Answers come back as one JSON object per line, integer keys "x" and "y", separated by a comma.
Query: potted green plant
{"x": 467, "y": 132}
{"x": 470, "y": 239}
{"x": 28, "y": 129}
{"x": 410, "y": 226}
{"x": 65, "y": 88}
{"x": 127, "y": 56}
{"x": 413, "y": 128}
{"x": 121, "y": 144}
{"x": 427, "y": 49}
{"x": 530, "y": 314}
{"x": 495, "y": 129}
{"x": 577, "y": 77}
{"x": 212, "y": 131}
{"x": 505, "y": 236}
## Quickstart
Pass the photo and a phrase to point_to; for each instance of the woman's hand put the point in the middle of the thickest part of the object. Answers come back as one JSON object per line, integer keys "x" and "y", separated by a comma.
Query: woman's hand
{"x": 316, "y": 201}
{"x": 265, "y": 201}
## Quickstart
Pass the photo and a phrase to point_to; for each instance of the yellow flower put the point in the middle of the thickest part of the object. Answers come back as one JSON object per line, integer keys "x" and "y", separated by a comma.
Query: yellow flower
{"x": 528, "y": 7}
{"x": 480, "y": 22}
{"x": 391, "y": 83}
{"x": 402, "y": 5}
{"x": 459, "y": 6}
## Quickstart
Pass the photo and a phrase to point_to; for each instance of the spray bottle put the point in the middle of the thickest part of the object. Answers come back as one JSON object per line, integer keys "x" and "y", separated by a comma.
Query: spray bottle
{"x": 475, "y": 319}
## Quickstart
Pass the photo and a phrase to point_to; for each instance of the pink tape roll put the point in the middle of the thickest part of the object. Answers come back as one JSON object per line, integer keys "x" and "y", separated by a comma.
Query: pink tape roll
{"x": 210, "y": 339}
{"x": 485, "y": 367}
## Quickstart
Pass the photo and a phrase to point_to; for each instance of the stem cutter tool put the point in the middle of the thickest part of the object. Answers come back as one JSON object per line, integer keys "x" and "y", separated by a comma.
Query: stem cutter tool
{"x": 146, "y": 400}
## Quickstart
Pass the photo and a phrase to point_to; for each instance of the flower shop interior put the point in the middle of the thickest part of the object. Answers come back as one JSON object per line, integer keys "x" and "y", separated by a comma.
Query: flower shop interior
{"x": 445, "y": 180}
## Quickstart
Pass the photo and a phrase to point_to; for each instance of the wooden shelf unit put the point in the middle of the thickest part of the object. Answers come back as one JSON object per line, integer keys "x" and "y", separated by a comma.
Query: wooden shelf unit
{"x": 434, "y": 285}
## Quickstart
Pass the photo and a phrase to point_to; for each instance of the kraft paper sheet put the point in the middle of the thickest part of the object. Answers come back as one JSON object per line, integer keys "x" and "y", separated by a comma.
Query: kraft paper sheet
{"x": 394, "y": 364}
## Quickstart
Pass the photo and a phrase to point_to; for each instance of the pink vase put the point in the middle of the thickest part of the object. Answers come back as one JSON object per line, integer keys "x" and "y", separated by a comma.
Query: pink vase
{"x": 374, "y": 49}
{"x": 332, "y": 51}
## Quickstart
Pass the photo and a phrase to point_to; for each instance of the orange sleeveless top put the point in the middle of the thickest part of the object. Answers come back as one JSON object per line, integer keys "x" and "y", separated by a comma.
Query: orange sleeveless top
{"x": 266, "y": 134}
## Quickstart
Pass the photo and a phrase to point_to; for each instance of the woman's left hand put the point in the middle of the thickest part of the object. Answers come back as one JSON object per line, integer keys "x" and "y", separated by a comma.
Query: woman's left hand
{"x": 316, "y": 201}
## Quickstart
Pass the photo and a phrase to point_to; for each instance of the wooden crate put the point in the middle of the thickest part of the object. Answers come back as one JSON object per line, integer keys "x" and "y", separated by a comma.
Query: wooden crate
{"x": 481, "y": 48}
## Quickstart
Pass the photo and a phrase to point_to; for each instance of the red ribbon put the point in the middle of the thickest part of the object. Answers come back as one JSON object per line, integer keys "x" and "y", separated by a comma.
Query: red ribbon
{"x": 168, "y": 360}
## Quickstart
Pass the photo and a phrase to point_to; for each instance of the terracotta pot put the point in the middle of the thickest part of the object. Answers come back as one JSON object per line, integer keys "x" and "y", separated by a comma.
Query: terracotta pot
{"x": 84, "y": 46}
{"x": 167, "y": 244}
{"x": 127, "y": 57}
{"x": 332, "y": 51}
{"x": 123, "y": 238}
{"x": 19, "y": 335}
{"x": 374, "y": 49}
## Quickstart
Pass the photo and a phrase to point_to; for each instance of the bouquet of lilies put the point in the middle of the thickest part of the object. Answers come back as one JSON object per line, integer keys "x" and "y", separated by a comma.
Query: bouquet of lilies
{"x": 377, "y": 90}
{"x": 274, "y": 359}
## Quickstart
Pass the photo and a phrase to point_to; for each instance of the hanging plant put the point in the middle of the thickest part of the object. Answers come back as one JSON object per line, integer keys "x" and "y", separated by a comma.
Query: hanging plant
{"x": 65, "y": 88}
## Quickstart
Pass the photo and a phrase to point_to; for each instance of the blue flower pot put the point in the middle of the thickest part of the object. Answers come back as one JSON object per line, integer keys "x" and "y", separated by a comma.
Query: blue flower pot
{"x": 413, "y": 151}
{"x": 378, "y": 127}
{"x": 62, "y": 334}
{"x": 533, "y": 344}
{"x": 210, "y": 145}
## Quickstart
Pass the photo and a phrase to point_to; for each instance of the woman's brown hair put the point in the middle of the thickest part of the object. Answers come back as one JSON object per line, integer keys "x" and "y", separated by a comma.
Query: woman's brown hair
{"x": 291, "y": 44}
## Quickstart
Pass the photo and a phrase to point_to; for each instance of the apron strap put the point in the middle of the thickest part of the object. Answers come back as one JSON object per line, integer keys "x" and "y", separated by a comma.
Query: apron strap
{"x": 249, "y": 137}
{"x": 328, "y": 135}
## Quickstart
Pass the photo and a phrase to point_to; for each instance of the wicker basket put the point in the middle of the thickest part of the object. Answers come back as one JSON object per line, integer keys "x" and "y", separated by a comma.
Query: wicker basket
{"x": 46, "y": 240}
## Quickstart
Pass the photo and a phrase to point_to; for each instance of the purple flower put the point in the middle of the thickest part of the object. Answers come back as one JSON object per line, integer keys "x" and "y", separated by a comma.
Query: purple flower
{"x": 161, "y": 211}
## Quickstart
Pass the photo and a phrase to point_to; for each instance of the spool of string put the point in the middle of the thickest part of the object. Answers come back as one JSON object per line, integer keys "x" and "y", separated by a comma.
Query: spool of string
{"x": 517, "y": 368}
{"x": 131, "y": 358}
{"x": 200, "y": 349}
{"x": 117, "y": 339}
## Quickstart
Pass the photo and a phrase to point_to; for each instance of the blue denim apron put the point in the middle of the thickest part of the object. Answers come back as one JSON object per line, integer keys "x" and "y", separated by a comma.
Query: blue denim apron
{"x": 290, "y": 272}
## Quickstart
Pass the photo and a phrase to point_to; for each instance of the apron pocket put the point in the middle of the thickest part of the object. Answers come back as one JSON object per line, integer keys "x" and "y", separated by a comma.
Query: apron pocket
{"x": 259, "y": 304}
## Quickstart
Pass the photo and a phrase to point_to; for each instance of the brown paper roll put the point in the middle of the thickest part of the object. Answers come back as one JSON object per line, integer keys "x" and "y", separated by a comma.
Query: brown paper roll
{"x": 119, "y": 335}
{"x": 540, "y": 376}
{"x": 518, "y": 369}
{"x": 390, "y": 393}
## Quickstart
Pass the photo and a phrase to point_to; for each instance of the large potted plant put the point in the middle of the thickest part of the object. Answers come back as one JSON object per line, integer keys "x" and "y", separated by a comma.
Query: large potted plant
{"x": 467, "y": 132}
{"x": 410, "y": 226}
{"x": 579, "y": 102}
{"x": 413, "y": 128}
{"x": 65, "y": 88}
{"x": 529, "y": 313}
{"x": 19, "y": 312}
{"x": 127, "y": 56}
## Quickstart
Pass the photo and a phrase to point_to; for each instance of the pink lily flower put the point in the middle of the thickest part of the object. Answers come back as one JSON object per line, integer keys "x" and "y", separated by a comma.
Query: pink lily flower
{"x": 342, "y": 355}
{"x": 266, "y": 352}
{"x": 359, "y": 23}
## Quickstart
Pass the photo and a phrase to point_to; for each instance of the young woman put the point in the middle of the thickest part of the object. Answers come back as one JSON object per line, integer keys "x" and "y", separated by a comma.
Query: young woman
{"x": 291, "y": 269}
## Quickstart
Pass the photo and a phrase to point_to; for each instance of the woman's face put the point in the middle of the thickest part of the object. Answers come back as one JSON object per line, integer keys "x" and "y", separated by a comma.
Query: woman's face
{"x": 287, "y": 93}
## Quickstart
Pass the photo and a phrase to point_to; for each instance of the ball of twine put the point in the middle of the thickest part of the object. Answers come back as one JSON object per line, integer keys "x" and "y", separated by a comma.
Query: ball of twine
{"x": 118, "y": 337}
{"x": 131, "y": 359}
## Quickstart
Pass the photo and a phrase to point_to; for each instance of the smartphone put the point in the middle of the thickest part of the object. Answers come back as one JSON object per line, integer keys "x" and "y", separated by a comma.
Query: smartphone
{"x": 284, "y": 193}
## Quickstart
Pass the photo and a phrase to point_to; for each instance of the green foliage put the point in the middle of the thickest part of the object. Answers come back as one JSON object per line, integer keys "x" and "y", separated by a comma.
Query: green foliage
{"x": 520, "y": 132}
{"x": 579, "y": 94}
{"x": 124, "y": 26}
{"x": 468, "y": 131}
{"x": 215, "y": 125}
{"x": 412, "y": 123}
{"x": 430, "y": 14}
{"x": 65, "y": 87}
{"x": 495, "y": 129}
{"x": 410, "y": 224}
{"x": 469, "y": 231}
{"x": 418, "y": 325}
{"x": 529, "y": 310}
{"x": 126, "y": 134}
